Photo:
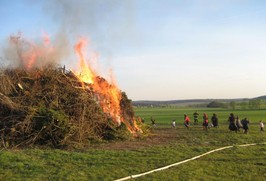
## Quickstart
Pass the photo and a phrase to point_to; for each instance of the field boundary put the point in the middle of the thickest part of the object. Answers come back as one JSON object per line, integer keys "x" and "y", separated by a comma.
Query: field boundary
{"x": 187, "y": 160}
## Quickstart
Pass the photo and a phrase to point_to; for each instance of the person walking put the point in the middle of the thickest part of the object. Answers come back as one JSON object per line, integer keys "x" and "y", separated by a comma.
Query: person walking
{"x": 238, "y": 123}
{"x": 173, "y": 123}
{"x": 186, "y": 121}
{"x": 205, "y": 123}
{"x": 214, "y": 120}
{"x": 245, "y": 123}
{"x": 153, "y": 121}
{"x": 196, "y": 116}
{"x": 261, "y": 125}
{"x": 232, "y": 123}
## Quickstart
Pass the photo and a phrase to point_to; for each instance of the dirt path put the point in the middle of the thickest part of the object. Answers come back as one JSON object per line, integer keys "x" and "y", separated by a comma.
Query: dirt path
{"x": 159, "y": 136}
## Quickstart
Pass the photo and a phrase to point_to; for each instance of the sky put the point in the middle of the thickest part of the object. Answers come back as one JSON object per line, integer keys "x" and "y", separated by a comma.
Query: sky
{"x": 158, "y": 50}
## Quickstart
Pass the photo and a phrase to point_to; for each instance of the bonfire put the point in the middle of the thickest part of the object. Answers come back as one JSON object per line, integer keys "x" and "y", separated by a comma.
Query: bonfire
{"x": 46, "y": 104}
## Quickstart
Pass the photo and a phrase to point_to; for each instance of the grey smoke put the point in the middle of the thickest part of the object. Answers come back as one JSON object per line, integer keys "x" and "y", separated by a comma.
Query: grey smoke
{"x": 108, "y": 23}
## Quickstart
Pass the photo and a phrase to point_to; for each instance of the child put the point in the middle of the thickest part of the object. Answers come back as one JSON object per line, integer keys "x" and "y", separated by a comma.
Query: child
{"x": 261, "y": 126}
{"x": 173, "y": 123}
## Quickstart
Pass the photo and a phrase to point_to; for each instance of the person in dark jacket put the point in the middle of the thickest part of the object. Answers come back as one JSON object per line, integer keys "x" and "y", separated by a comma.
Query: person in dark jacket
{"x": 153, "y": 122}
{"x": 245, "y": 123}
{"x": 214, "y": 120}
{"x": 196, "y": 115}
{"x": 232, "y": 123}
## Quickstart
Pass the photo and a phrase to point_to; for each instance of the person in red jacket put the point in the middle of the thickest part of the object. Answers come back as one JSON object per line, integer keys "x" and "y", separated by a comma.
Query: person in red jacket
{"x": 186, "y": 121}
{"x": 205, "y": 121}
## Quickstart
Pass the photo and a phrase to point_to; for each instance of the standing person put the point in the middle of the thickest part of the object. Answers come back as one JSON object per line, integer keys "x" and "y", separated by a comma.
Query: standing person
{"x": 196, "y": 115}
{"x": 232, "y": 123}
{"x": 205, "y": 123}
{"x": 173, "y": 123}
{"x": 153, "y": 122}
{"x": 214, "y": 120}
{"x": 245, "y": 123}
{"x": 261, "y": 125}
{"x": 186, "y": 121}
{"x": 238, "y": 123}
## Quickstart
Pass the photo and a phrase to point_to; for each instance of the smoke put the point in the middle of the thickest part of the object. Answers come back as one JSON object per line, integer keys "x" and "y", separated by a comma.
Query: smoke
{"x": 20, "y": 51}
{"x": 95, "y": 18}
{"x": 107, "y": 23}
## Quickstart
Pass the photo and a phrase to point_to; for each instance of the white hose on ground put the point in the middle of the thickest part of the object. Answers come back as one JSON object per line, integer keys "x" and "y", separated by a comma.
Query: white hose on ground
{"x": 184, "y": 161}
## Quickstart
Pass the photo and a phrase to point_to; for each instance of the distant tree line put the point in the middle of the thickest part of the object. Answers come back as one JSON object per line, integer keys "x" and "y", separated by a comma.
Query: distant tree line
{"x": 256, "y": 103}
{"x": 216, "y": 104}
{"x": 249, "y": 104}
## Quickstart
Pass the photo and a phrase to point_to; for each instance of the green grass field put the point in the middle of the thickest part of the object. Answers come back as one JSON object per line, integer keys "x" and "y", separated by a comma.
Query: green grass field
{"x": 165, "y": 116}
{"x": 245, "y": 163}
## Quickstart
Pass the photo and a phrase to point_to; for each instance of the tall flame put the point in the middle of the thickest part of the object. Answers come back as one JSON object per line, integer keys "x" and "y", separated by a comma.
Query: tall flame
{"x": 109, "y": 94}
{"x": 86, "y": 74}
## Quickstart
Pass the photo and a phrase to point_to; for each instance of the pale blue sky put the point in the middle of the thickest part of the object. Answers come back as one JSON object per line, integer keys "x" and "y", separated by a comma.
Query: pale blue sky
{"x": 158, "y": 50}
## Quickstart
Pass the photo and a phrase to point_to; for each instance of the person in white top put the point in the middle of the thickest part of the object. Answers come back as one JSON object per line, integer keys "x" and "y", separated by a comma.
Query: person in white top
{"x": 261, "y": 126}
{"x": 173, "y": 123}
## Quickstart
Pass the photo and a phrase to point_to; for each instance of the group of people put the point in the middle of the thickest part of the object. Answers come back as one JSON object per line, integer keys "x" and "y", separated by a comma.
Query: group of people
{"x": 205, "y": 122}
{"x": 235, "y": 123}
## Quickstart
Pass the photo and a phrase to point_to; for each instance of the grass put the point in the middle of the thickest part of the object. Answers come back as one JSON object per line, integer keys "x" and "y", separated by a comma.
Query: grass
{"x": 35, "y": 164}
{"x": 245, "y": 163}
{"x": 164, "y": 116}
{"x": 233, "y": 164}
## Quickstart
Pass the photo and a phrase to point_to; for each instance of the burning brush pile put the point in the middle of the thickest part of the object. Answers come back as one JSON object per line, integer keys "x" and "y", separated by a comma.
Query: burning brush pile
{"x": 55, "y": 107}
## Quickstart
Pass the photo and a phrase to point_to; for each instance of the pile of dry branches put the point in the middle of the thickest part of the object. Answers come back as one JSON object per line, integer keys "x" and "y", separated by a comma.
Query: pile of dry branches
{"x": 49, "y": 106}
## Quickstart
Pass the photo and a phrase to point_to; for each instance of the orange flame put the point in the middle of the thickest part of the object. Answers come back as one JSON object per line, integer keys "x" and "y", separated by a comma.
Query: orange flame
{"x": 109, "y": 95}
{"x": 86, "y": 74}
{"x": 134, "y": 128}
